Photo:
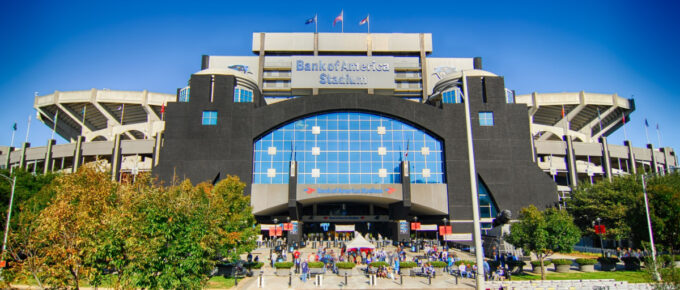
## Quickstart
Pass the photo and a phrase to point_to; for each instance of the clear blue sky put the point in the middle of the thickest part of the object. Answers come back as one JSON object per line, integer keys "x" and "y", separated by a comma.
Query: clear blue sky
{"x": 624, "y": 47}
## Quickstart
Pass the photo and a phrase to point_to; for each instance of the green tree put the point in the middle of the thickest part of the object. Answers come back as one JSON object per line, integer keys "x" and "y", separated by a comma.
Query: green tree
{"x": 544, "y": 233}
{"x": 620, "y": 205}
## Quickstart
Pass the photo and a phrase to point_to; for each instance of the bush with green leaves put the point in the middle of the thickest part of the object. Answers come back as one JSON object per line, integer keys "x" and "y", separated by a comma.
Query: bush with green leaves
{"x": 517, "y": 263}
{"x": 438, "y": 264}
{"x": 561, "y": 262}
{"x": 256, "y": 265}
{"x": 608, "y": 260}
{"x": 586, "y": 261}
{"x": 408, "y": 264}
{"x": 284, "y": 265}
{"x": 315, "y": 264}
{"x": 378, "y": 264}
{"x": 345, "y": 265}
{"x": 538, "y": 263}
{"x": 466, "y": 262}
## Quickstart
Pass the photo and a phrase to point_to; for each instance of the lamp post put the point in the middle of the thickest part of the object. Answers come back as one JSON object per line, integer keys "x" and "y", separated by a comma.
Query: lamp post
{"x": 598, "y": 221}
{"x": 477, "y": 231}
{"x": 276, "y": 221}
{"x": 649, "y": 227}
{"x": 415, "y": 220}
{"x": 9, "y": 216}
{"x": 444, "y": 236}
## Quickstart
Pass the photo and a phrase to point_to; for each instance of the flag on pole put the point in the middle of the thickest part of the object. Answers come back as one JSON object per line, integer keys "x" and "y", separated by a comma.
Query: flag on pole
{"x": 658, "y": 135}
{"x": 647, "y": 130}
{"x": 340, "y": 18}
{"x": 311, "y": 20}
{"x": 623, "y": 119}
{"x": 14, "y": 127}
{"x": 646, "y": 123}
{"x": 363, "y": 21}
{"x": 314, "y": 20}
{"x": 562, "y": 111}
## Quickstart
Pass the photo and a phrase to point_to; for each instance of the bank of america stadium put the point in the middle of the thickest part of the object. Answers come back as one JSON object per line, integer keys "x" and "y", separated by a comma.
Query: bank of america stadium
{"x": 350, "y": 131}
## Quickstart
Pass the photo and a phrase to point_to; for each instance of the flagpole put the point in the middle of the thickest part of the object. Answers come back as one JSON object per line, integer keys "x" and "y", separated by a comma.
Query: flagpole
{"x": 11, "y": 144}
{"x": 28, "y": 128}
{"x": 316, "y": 24}
{"x": 647, "y": 131}
{"x": 368, "y": 20}
{"x": 56, "y": 119}
{"x": 658, "y": 134}
{"x": 625, "y": 136}
{"x": 342, "y": 25}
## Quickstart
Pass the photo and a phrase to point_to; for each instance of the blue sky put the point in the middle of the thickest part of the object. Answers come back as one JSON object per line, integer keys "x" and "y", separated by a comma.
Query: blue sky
{"x": 624, "y": 47}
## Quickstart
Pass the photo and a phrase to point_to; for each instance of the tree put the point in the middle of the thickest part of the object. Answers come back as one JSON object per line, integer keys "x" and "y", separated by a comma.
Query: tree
{"x": 620, "y": 205}
{"x": 544, "y": 233}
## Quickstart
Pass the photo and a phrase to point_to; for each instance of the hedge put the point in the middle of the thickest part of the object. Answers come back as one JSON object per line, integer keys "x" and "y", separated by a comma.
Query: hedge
{"x": 561, "y": 262}
{"x": 605, "y": 260}
{"x": 466, "y": 262}
{"x": 345, "y": 265}
{"x": 315, "y": 264}
{"x": 378, "y": 264}
{"x": 256, "y": 265}
{"x": 283, "y": 265}
{"x": 586, "y": 261}
{"x": 407, "y": 264}
{"x": 538, "y": 263}
{"x": 438, "y": 264}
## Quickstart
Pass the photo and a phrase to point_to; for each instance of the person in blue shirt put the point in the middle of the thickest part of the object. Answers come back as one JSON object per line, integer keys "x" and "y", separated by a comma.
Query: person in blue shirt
{"x": 305, "y": 271}
{"x": 487, "y": 269}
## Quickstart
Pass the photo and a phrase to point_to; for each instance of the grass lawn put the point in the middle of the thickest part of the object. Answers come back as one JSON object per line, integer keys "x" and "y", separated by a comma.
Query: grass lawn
{"x": 630, "y": 276}
{"x": 221, "y": 282}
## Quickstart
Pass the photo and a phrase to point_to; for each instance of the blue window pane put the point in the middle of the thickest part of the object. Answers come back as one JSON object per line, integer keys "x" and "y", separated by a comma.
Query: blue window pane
{"x": 348, "y": 144}
{"x": 209, "y": 118}
{"x": 486, "y": 119}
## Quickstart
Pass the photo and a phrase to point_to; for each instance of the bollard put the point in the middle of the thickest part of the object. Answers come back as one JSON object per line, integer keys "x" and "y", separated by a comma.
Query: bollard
{"x": 290, "y": 278}
{"x": 260, "y": 281}
{"x": 345, "y": 278}
{"x": 456, "y": 279}
{"x": 235, "y": 280}
{"x": 429, "y": 279}
{"x": 401, "y": 280}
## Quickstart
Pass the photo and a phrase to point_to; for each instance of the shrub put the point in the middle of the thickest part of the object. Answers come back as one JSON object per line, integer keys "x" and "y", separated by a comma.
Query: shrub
{"x": 608, "y": 261}
{"x": 256, "y": 265}
{"x": 538, "y": 263}
{"x": 407, "y": 264}
{"x": 315, "y": 264}
{"x": 283, "y": 265}
{"x": 345, "y": 265}
{"x": 516, "y": 263}
{"x": 438, "y": 264}
{"x": 586, "y": 261}
{"x": 561, "y": 262}
{"x": 378, "y": 264}
{"x": 466, "y": 262}
{"x": 676, "y": 258}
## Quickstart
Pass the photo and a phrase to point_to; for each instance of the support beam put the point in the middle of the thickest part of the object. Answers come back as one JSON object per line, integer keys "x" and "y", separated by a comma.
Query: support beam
{"x": 571, "y": 162}
{"x": 115, "y": 158}
{"x": 655, "y": 167}
{"x": 22, "y": 160}
{"x": 631, "y": 157}
{"x": 606, "y": 161}
{"x": 48, "y": 155}
{"x": 77, "y": 155}
{"x": 9, "y": 157}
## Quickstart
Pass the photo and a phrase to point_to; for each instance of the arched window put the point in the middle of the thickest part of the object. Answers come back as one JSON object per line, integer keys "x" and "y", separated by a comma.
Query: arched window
{"x": 347, "y": 148}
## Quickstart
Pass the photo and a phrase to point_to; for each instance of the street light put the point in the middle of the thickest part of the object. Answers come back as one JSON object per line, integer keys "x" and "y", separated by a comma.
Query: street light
{"x": 9, "y": 216}
{"x": 598, "y": 221}
{"x": 415, "y": 220}
{"x": 444, "y": 236}
{"x": 473, "y": 188}
{"x": 649, "y": 227}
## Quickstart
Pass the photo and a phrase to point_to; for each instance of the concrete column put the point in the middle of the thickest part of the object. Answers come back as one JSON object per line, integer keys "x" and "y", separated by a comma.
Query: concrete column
{"x": 157, "y": 148}
{"x": 77, "y": 155}
{"x": 423, "y": 67}
{"x": 115, "y": 158}
{"x": 666, "y": 158}
{"x": 631, "y": 157}
{"x": 533, "y": 148}
{"x": 293, "y": 207}
{"x": 22, "y": 159}
{"x": 260, "y": 69}
{"x": 48, "y": 155}
{"x": 8, "y": 160}
{"x": 571, "y": 162}
{"x": 54, "y": 162}
{"x": 655, "y": 168}
{"x": 606, "y": 164}
{"x": 406, "y": 184}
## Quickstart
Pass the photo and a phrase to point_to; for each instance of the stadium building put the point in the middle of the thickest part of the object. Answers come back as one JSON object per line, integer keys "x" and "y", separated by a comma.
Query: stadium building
{"x": 350, "y": 131}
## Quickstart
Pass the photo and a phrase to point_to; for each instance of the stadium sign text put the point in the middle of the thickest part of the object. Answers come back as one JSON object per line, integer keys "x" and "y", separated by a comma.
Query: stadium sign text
{"x": 342, "y": 72}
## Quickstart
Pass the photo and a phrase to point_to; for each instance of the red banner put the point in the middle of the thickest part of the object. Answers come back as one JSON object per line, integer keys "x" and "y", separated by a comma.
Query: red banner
{"x": 287, "y": 226}
{"x": 445, "y": 230}
{"x": 415, "y": 226}
{"x": 600, "y": 229}
{"x": 275, "y": 231}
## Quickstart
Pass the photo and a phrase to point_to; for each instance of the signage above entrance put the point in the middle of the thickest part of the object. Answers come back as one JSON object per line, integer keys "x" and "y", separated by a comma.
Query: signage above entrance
{"x": 343, "y": 72}
{"x": 387, "y": 192}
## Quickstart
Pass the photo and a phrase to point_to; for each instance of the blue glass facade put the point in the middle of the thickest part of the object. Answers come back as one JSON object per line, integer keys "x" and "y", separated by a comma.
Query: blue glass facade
{"x": 347, "y": 148}
{"x": 243, "y": 95}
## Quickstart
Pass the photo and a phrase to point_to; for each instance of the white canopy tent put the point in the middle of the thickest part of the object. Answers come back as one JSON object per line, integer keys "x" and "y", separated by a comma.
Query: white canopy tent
{"x": 359, "y": 243}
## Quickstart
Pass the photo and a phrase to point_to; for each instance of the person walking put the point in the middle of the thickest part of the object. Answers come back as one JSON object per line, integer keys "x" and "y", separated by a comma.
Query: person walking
{"x": 305, "y": 271}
